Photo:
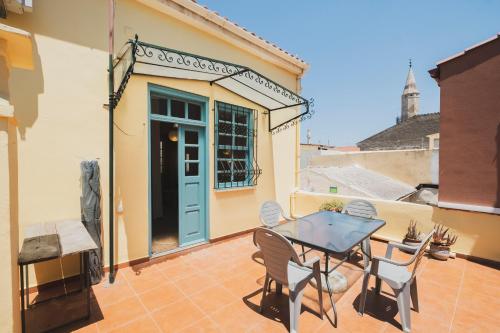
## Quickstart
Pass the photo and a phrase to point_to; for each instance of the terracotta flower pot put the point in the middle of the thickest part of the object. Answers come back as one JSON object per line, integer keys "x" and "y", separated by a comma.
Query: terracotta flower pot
{"x": 440, "y": 252}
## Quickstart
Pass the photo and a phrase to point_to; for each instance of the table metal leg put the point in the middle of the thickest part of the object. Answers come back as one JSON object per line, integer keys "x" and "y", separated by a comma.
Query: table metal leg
{"x": 330, "y": 292}
{"x": 23, "y": 319}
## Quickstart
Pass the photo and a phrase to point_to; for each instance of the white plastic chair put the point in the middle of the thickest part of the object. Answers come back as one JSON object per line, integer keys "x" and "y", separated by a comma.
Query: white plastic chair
{"x": 270, "y": 214}
{"x": 361, "y": 208}
{"x": 366, "y": 209}
{"x": 397, "y": 276}
{"x": 284, "y": 266}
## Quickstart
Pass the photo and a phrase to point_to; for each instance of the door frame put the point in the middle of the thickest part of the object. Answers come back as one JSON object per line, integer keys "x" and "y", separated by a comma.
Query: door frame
{"x": 188, "y": 97}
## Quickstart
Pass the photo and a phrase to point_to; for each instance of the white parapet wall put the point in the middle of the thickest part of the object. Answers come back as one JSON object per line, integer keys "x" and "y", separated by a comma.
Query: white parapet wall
{"x": 477, "y": 232}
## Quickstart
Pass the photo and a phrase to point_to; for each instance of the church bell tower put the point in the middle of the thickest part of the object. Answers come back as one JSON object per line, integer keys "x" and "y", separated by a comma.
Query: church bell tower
{"x": 410, "y": 97}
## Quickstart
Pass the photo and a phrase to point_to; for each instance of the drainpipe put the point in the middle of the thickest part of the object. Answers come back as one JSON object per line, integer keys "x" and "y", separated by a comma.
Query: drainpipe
{"x": 298, "y": 88}
{"x": 111, "y": 139}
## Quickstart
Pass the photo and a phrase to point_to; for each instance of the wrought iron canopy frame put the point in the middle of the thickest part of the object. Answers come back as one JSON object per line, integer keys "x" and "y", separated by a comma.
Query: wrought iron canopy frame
{"x": 149, "y": 59}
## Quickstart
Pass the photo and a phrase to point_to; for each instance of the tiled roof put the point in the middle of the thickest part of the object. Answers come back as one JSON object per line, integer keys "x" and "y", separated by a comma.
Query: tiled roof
{"x": 409, "y": 134}
{"x": 353, "y": 180}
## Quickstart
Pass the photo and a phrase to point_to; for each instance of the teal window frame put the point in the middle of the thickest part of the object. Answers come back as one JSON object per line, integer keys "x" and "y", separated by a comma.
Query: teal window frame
{"x": 234, "y": 109}
{"x": 169, "y": 97}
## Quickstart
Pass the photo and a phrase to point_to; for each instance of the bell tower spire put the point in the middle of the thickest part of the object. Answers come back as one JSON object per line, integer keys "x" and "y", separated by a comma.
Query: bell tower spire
{"x": 410, "y": 96}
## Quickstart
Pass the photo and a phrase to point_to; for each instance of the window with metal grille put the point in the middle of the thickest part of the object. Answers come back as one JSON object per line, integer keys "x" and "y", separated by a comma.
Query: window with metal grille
{"x": 235, "y": 146}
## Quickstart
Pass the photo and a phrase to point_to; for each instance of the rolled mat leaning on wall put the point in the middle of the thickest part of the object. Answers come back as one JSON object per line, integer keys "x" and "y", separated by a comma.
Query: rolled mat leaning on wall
{"x": 91, "y": 215}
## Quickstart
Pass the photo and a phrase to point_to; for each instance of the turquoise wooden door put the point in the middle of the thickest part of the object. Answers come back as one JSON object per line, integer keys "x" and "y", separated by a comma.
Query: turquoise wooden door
{"x": 192, "y": 221}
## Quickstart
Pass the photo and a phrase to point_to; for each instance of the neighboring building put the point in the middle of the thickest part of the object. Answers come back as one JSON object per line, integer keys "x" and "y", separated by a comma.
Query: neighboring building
{"x": 411, "y": 130}
{"x": 469, "y": 164}
{"x": 309, "y": 150}
{"x": 194, "y": 157}
{"x": 347, "y": 149}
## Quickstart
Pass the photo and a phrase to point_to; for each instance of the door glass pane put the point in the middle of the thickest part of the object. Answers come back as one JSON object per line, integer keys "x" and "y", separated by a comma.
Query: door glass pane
{"x": 191, "y": 137}
{"x": 191, "y": 169}
{"x": 158, "y": 105}
{"x": 194, "y": 111}
{"x": 191, "y": 154}
{"x": 177, "y": 109}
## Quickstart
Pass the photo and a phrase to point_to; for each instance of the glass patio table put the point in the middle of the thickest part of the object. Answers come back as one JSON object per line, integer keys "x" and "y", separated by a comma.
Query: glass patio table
{"x": 333, "y": 234}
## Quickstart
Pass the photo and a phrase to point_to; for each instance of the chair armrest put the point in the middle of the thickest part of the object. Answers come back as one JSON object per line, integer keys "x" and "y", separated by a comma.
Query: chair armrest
{"x": 310, "y": 262}
{"x": 392, "y": 245}
{"x": 377, "y": 259}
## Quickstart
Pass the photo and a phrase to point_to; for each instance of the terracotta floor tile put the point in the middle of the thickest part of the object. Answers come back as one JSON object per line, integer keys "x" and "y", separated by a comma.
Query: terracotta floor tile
{"x": 242, "y": 285}
{"x": 474, "y": 320}
{"x": 164, "y": 294}
{"x": 448, "y": 278}
{"x": 142, "y": 324}
{"x": 205, "y": 325}
{"x": 107, "y": 294}
{"x": 120, "y": 313}
{"x": 237, "y": 317}
{"x": 144, "y": 279}
{"x": 177, "y": 270}
{"x": 218, "y": 289}
{"x": 177, "y": 316}
{"x": 212, "y": 299}
{"x": 195, "y": 283}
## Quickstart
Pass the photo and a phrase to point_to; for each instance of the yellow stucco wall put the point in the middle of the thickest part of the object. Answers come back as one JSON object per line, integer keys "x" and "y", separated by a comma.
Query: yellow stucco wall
{"x": 477, "y": 232}
{"x": 230, "y": 211}
{"x": 60, "y": 121}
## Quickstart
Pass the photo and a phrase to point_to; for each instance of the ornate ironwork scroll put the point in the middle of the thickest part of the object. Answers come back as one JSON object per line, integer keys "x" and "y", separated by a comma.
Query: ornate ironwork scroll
{"x": 241, "y": 80}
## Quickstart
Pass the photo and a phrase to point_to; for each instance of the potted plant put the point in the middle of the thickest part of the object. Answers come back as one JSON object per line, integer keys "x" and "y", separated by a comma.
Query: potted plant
{"x": 332, "y": 206}
{"x": 413, "y": 237}
{"x": 441, "y": 242}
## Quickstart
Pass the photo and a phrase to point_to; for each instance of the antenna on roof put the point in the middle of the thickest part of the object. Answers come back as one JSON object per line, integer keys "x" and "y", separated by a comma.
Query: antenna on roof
{"x": 410, "y": 62}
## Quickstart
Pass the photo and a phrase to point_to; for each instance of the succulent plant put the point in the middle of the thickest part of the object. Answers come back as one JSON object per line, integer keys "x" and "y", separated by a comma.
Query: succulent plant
{"x": 442, "y": 237}
{"x": 412, "y": 232}
{"x": 332, "y": 205}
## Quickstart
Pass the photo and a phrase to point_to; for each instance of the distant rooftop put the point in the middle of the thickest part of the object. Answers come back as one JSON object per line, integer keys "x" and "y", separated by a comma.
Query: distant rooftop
{"x": 354, "y": 180}
{"x": 409, "y": 134}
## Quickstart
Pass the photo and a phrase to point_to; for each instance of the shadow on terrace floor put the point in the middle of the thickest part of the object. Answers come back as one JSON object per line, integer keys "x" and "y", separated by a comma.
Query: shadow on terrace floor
{"x": 218, "y": 289}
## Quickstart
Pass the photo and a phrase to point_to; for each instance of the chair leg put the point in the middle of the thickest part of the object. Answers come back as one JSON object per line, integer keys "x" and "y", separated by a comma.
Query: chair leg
{"x": 403, "y": 298}
{"x": 364, "y": 290}
{"x": 295, "y": 302}
{"x": 303, "y": 253}
{"x": 279, "y": 288}
{"x": 264, "y": 292}
{"x": 317, "y": 277}
{"x": 367, "y": 252}
{"x": 378, "y": 285}
{"x": 414, "y": 294}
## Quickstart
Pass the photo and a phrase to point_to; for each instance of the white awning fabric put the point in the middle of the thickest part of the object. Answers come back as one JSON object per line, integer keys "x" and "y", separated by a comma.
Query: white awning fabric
{"x": 282, "y": 104}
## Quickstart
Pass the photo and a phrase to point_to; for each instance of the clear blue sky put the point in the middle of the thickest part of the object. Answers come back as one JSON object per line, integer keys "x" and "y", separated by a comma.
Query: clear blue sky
{"x": 359, "y": 50}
